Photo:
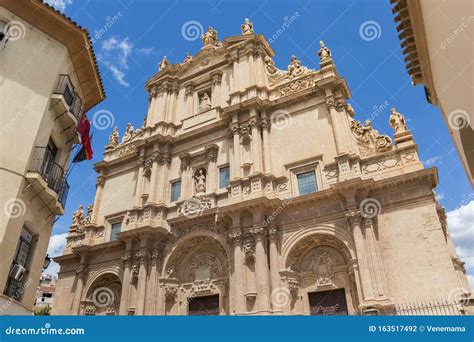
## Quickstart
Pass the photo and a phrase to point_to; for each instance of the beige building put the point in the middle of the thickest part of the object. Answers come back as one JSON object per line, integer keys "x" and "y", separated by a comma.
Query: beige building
{"x": 252, "y": 190}
{"x": 436, "y": 38}
{"x": 48, "y": 76}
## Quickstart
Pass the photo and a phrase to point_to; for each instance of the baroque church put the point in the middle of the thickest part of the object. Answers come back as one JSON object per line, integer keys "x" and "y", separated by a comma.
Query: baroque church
{"x": 251, "y": 190}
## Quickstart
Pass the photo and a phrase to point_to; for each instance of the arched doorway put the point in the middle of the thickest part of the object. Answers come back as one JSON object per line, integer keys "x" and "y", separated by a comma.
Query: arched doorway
{"x": 321, "y": 267}
{"x": 103, "y": 296}
{"x": 196, "y": 278}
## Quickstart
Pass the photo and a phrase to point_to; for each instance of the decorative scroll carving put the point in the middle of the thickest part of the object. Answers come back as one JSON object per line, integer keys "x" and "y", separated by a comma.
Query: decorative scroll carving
{"x": 194, "y": 206}
{"x": 370, "y": 138}
{"x": 321, "y": 262}
{"x": 170, "y": 293}
{"x": 126, "y": 150}
{"x": 204, "y": 266}
{"x": 297, "y": 85}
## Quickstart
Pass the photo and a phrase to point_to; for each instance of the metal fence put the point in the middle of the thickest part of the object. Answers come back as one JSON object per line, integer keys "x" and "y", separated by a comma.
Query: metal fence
{"x": 44, "y": 163}
{"x": 428, "y": 308}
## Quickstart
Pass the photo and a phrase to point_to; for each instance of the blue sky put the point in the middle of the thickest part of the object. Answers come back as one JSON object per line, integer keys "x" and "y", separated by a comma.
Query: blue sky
{"x": 131, "y": 37}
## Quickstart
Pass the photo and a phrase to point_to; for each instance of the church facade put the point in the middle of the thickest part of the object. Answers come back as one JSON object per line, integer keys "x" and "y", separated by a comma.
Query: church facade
{"x": 251, "y": 190}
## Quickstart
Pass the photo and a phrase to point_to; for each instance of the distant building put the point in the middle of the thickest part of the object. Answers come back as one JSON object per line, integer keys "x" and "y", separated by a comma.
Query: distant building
{"x": 48, "y": 77}
{"x": 45, "y": 293}
{"x": 436, "y": 38}
{"x": 252, "y": 190}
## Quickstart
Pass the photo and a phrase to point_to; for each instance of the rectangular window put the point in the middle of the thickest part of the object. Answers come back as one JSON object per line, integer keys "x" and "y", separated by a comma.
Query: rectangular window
{"x": 224, "y": 177}
{"x": 175, "y": 190}
{"x": 307, "y": 183}
{"x": 19, "y": 267}
{"x": 115, "y": 229}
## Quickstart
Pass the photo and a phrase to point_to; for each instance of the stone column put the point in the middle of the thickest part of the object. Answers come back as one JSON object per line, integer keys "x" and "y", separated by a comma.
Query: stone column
{"x": 171, "y": 115}
{"x": 261, "y": 264}
{"x": 252, "y": 71}
{"x": 236, "y": 146}
{"x": 80, "y": 279}
{"x": 237, "y": 276}
{"x": 153, "y": 177}
{"x": 140, "y": 180}
{"x": 375, "y": 259}
{"x": 267, "y": 160}
{"x": 151, "y": 106}
{"x": 195, "y": 103}
{"x": 211, "y": 169}
{"x": 235, "y": 74}
{"x": 166, "y": 94}
{"x": 164, "y": 162}
{"x": 152, "y": 284}
{"x": 185, "y": 175}
{"x": 99, "y": 185}
{"x": 336, "y": 123}
{"x": 256, "y": 142}
{"x": 189, "y": 93}
{"x": 127, "y": 278}
{"x": 142, "y": 255}
{"x": 216, "y": 88}
{"x": 274, "y": 257}
{"x": 355, "y": 218}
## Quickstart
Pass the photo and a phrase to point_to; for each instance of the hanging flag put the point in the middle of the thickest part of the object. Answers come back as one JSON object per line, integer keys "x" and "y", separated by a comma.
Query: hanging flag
{"x": 83, "y": 128}
{"x": 84, "y": 153}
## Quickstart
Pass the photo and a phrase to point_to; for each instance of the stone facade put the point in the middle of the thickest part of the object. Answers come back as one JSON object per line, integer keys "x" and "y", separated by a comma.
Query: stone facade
{"x": 370, "y": 229}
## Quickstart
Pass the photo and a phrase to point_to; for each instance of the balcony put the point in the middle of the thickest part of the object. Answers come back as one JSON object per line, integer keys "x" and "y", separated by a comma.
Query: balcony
{"x": 67, "y": 105}
{"x": 46, "y": 177}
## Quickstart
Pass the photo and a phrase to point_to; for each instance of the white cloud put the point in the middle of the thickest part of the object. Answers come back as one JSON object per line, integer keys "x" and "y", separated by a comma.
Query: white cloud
{"x": 55, "y": 248}
{"x": 461, "y": 226}
{"x": 60, "y": 5}
{"x": 145, "y": 51}
{"x": 436, "y": 160}
{"x": 114, "y": 53}
{"x": 439, "y": 196}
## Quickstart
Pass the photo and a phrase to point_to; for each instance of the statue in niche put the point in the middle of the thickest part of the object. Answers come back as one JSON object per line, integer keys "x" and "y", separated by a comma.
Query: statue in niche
{"x": 397, "y": 121}
{"x": 200, "y": 181}
{"x": 205, "y": 103}
{"x": 295, "y": 69}
{"x": 247, "y": 27}
{"x": 323, "y": 52}
{"x": 129, "y": 133}
{"x": 187, "y": 58}
{"x": 113, "y": 139}
{"x": 78, "y": 216}
{"x": 164, "y": 63}
{"x": 209, "y": 38}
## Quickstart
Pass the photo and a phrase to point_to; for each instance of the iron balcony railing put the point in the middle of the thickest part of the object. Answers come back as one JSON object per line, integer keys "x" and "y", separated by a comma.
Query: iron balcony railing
{"x": 53, "y": 174}
{"x": 72, "y": 99}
